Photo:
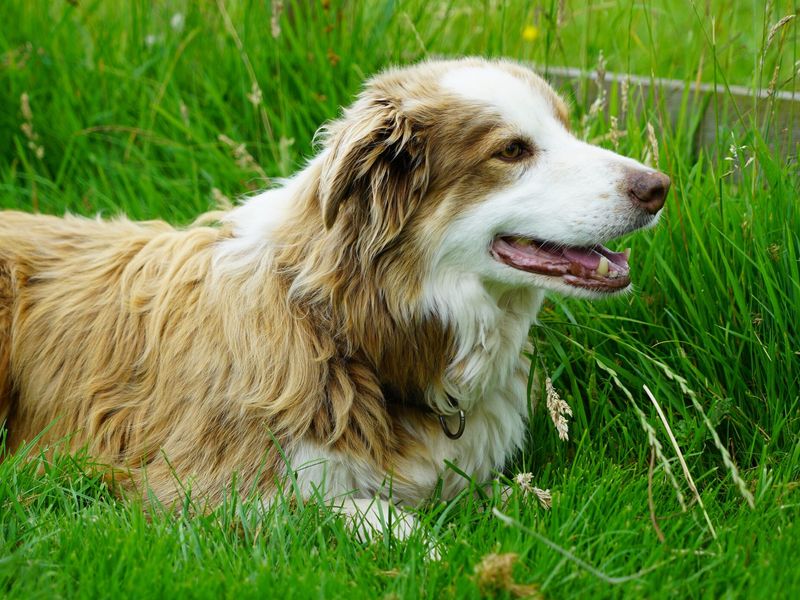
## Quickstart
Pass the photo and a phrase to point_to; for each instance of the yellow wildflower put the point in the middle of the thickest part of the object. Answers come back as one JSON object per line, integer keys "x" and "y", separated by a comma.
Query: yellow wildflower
{"x": 530, "y": 33}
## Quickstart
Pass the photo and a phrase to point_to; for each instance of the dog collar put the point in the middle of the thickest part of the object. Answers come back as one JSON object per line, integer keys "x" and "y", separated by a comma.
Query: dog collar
{"x": 462, "y": 421}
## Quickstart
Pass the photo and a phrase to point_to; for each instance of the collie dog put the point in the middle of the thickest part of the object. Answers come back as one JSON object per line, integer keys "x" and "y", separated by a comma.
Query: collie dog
{"x": 354, "y": 328}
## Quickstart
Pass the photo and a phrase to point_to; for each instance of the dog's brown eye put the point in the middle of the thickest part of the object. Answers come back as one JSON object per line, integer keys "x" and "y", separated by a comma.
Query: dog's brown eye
{"x": 514, "y": 151}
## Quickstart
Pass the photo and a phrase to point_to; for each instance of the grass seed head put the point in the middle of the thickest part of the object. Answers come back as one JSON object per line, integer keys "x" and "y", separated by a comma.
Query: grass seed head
{"x": 523, "y": 481}
{"x": 27, "y": 126}
{"x": 651, "y": 152}
{"x": 559, "y": 410}
{"x": 275, "y": 19}
{"x": 495, "y": 574}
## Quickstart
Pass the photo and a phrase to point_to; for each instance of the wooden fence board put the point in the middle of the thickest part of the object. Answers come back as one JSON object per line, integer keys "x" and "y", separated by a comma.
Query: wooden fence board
{"x": 736, "y": 108}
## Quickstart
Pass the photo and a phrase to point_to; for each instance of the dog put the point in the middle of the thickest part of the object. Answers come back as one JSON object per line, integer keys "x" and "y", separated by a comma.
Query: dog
{"x": 355, "y": 327}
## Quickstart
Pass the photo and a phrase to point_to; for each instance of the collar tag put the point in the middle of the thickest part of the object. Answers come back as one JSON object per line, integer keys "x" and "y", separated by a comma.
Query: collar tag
{"x": 462, "y": 422}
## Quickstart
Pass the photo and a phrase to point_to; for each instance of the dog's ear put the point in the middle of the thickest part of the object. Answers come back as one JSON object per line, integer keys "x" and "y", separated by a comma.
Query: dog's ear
{"x": 377, "y": 157}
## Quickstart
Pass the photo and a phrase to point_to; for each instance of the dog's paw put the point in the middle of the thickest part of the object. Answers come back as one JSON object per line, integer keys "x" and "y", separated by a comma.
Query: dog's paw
{"x": 370, "y": 518}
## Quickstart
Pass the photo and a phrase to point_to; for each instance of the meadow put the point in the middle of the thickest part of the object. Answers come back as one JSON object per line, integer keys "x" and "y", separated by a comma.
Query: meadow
{"x": 681, "y": 475}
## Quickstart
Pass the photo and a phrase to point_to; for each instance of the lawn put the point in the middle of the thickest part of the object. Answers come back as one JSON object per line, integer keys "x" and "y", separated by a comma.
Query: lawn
{"x": 681, "y": 476}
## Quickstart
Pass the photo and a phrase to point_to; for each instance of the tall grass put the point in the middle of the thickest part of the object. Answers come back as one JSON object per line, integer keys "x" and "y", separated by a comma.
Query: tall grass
{"x": 126, "y": 107}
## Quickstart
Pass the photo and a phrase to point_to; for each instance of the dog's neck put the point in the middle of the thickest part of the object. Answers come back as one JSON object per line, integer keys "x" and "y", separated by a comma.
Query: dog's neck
{"x": 440, "y": 332}
{"x": 490, "y": 328}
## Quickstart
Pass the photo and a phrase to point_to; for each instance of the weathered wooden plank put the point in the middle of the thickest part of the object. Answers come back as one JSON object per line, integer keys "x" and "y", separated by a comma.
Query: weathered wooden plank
{"x": 776, "y": 114}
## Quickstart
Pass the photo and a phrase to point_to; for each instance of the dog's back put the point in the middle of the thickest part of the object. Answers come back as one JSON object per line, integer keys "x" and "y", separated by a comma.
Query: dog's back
{"x": 56, "y": 276}
{"x": 112, "y": 338}
{"x": 15, "y": 247}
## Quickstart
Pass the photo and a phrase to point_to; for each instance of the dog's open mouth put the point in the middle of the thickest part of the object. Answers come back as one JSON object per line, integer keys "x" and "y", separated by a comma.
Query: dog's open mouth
{"x": 595, "y": 268}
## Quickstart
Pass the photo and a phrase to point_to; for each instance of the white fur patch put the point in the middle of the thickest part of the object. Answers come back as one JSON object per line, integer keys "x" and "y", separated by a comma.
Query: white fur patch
{"x": 345, "y": 486}
{"x": 256, "y": 219}
{"x": 511, "y": 97}
{"x": 571, "y": 193}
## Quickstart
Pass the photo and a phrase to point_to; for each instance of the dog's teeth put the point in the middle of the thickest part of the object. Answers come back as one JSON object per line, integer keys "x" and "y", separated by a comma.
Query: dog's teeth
{"x": 627, "y": 253}
{"x": 602, "y": 268}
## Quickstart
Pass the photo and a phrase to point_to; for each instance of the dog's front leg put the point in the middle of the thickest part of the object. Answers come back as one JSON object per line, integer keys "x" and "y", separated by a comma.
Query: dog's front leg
{"x": 370, "y": 517}
{"x": 324, "y": 475}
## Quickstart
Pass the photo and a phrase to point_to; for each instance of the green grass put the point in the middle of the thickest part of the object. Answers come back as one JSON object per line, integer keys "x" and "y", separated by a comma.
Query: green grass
{"x": 712, "y": 330}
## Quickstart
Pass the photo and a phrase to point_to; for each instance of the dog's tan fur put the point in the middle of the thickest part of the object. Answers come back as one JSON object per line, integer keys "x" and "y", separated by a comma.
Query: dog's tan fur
{"x": 109, "y": 342}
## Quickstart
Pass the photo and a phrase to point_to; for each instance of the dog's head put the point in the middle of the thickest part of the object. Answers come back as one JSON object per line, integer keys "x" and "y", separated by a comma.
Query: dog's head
{"x": 472, "y": 163}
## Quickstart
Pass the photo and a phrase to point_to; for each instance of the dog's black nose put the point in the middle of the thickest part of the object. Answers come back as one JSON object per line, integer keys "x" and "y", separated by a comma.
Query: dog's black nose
{"x": 648, "y": 189}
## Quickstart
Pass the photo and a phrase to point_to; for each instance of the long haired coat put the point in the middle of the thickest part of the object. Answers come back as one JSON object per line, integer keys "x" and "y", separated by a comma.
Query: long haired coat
{"x": 387, "y": 286}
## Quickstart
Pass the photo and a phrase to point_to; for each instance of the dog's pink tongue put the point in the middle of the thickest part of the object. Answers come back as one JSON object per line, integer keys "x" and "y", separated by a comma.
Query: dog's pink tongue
{"x": 589, "y": 258}
{"x": 586, "y": 257}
